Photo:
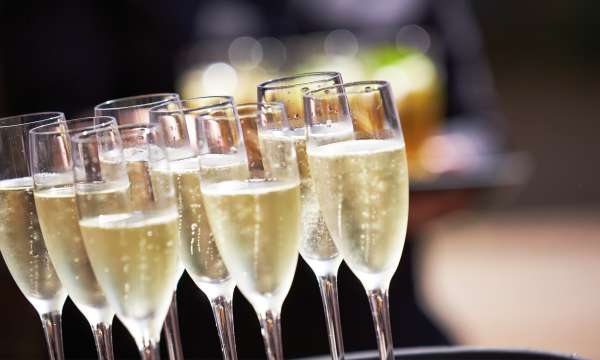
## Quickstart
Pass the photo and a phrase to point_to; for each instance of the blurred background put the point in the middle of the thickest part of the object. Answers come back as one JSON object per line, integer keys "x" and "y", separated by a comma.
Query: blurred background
{"x": 498, "y": 101}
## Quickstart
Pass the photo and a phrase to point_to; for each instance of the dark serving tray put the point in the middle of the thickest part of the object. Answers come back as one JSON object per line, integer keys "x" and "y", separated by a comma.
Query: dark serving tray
{"x": 459, "y": 353}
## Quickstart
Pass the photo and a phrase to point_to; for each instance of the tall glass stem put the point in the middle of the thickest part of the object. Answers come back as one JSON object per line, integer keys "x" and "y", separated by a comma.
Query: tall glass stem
{"x": 380, "y": 308}
{"x": 171, "y": 331}
{"x": 223, "y": 312}
{"x": 329, "y": 295}
{"x": 270, "y": 325}
{"x": 53, "y": 330}
{"x": 103, "y": 339}
{"x": 150, "y": 350}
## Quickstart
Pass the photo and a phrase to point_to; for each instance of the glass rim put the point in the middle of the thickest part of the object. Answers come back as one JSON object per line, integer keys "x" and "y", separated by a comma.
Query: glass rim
{"x": 145, "y": 126}
{"x": 377, "y": 84}
{"x": 82, "y": 136}
{"x": 159, "y": 108}
{"x": 261, "y": 104}
{"x": 95, "y": 129}
{"x": 272, "y": 83}
{"x": 39, "y": 130}
{"x": 113, "y": 103}
{"x": 52, "y": 115}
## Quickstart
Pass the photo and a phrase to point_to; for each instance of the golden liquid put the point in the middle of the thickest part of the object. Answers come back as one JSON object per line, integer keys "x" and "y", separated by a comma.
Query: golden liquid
{"x": 316, "y": 241}
{"x": 102, "y": 199}
{"x": 23, "y": 248}
{"x": 197, "y": 246}
{"x": 129, "y": 227}
{"x": 141, "y": 191}
{"x": 149, "y": 187}
{"x": 362, "y": 187}
{"x": 59, "y": 222}
{"x": 135, "y": 260}
{"x": 278, "y": 155}
{"x": 257, "y": 227}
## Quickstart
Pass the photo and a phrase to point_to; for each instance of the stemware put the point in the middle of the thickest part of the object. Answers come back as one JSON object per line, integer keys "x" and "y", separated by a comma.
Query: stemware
{"x": 134, "y": 110}
{"x": 184, "y": 131}
{"x": 317, "y": 248}
{"x": 255, "y": 218}
{"x": 128, "y": 220}
{"x": 357, "y": 157}
{"x": 21, "y": 240}
{"x": 52, "y": 173}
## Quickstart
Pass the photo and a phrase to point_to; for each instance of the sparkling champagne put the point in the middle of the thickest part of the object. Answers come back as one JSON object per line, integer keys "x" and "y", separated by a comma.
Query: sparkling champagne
{"x": 362, "y": 188}
{"x": 23, "y": 248}
{"x": 149, "y": 185}
{"x": 257, "y": 227}
{"x": 316, "y": 243}
{"x": 59, "y": 222}
{"x": 134, "y": 258}
{"x": 197, "y": 247}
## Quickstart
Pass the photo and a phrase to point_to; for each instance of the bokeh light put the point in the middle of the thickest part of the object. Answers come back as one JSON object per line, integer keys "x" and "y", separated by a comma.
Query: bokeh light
{"x": 341, "y": 42}
{"x": 219, "y": 78}
{"x": 245, "y": 53}
{"x": 413, "y": 36}
{"x": 274, "y": 53}
{"x": 412, "y": 73}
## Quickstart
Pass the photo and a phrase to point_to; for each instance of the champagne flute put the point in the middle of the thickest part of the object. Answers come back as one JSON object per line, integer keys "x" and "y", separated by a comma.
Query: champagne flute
{"x": 128, "y": 219}
{"x": 256, "y": 219}
{"x": 134, "y": 110}
{"x": 197, "y": 248}
{"x": 358, "y": 161}
{"x": 21, "y": 240}
{"x": 316, "y": 247}
{"x": 52, "y": 172}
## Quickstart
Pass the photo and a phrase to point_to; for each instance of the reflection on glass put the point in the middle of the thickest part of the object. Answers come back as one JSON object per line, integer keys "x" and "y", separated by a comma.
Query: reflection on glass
{"x": 52, "y": 171}
{"x": 361, "y": 183}
{"x": 21, "y": 240}
{"x": 135, "y": 110}
{"x": 128, "y": 219}
{"x": 317, "y": 247}
{"x": 256, "y": 220}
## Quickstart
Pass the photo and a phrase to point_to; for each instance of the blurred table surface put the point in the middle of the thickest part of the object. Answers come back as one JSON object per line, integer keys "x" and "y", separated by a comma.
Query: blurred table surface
{"x": 525, "y": 277}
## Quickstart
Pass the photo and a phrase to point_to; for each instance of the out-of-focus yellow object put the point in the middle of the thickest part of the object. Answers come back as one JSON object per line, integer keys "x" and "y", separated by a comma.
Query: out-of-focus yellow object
{"x": 416, "y": 86}
{"x": 351, "y": 68}
{"x": 419, "y": 99}
{"x": 415, "y": 82}
{"x": 222, "y": 79}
